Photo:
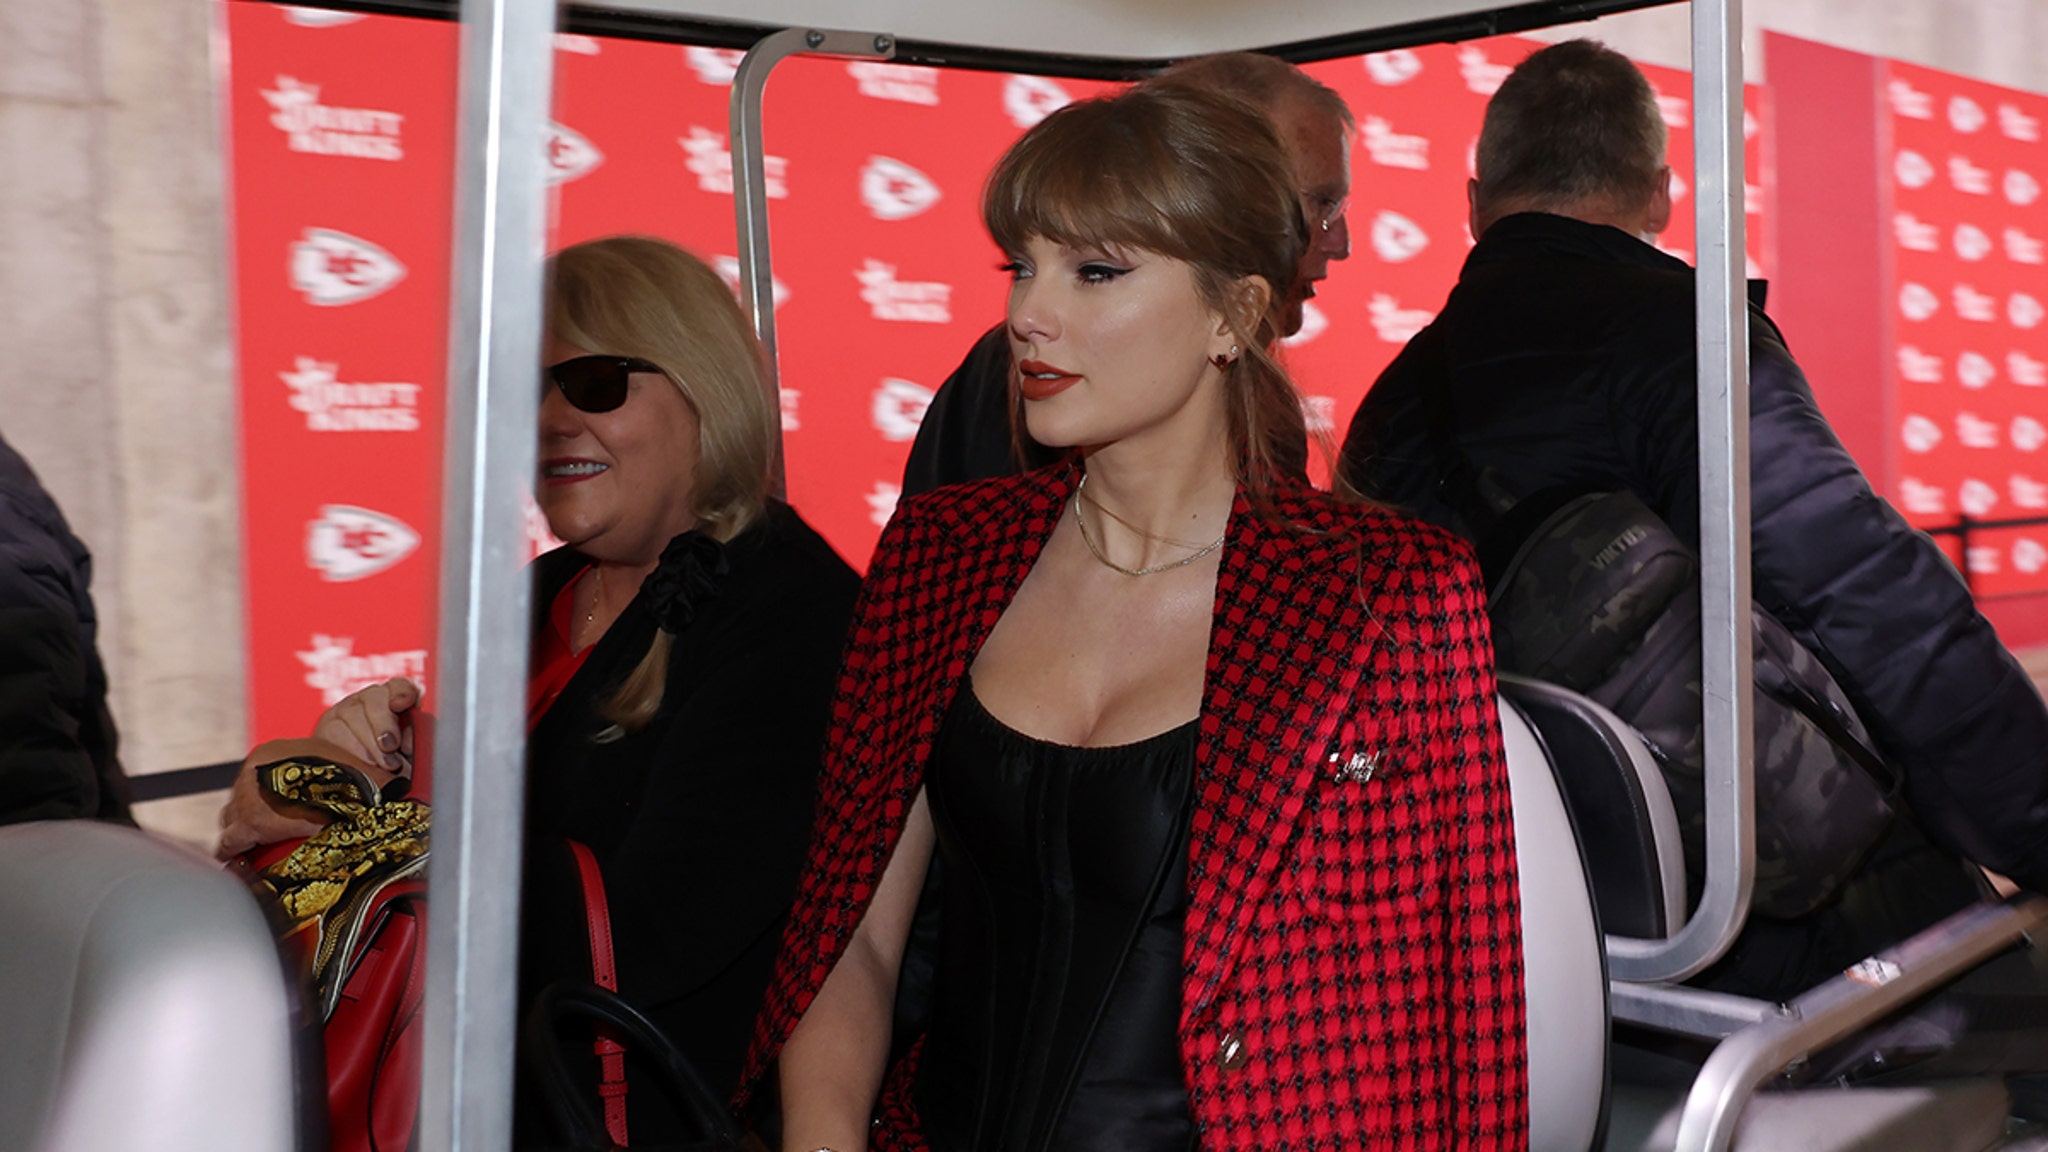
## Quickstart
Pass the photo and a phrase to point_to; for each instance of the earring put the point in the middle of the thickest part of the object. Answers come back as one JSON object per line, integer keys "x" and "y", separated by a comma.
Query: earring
{"x": 1223, "y": 359}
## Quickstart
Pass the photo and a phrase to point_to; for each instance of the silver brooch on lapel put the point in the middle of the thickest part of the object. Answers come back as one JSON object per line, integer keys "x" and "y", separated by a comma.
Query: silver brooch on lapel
{"x": 1356, "y": 768}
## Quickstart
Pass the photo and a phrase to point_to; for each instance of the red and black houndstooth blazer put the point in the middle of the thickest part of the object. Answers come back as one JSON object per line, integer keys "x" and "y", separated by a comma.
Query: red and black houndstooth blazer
{"x": 1352, "y": 971}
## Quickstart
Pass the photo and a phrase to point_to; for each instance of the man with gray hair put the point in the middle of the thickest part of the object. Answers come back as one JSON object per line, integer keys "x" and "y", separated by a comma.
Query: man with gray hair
{"x": 966, "y": 431}
{"x": 1564, "y": 360}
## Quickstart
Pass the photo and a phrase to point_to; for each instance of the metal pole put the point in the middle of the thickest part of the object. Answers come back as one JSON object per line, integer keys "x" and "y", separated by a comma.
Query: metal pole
{"x": 750, "y": 167}
{"x": 1722, "y": 314}
{"x": 479, "y": 694}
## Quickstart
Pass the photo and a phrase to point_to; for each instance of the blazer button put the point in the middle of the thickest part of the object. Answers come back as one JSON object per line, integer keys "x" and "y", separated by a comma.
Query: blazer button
{"x": 1231, "y": 1054}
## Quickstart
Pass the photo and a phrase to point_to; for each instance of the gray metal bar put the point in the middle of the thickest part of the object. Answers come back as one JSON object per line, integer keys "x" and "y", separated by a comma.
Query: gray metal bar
{"x": 750, "y": 168}
{"x": 1722, "y": 314}
{"x": 1688, "y": 1011}
{"x": 1863, "y": 996}
{"x": 480, "y": 679}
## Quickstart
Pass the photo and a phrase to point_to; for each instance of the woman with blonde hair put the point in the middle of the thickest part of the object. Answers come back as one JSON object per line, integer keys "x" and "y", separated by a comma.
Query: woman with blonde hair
{"x": 1209, "y": 758}
{"x": 684, "y": 644}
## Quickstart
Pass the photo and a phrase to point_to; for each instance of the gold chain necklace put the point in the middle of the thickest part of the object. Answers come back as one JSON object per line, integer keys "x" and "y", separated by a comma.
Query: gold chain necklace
{"x": 1096, "y": 551}
{"x": 596, "y": 594}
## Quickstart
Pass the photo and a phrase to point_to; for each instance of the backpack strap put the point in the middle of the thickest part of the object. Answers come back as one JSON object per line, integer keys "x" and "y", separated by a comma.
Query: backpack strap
{"x": 604, "y": 972}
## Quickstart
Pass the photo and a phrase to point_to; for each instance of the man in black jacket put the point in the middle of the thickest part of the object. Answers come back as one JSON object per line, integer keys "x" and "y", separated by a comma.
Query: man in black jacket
{"x": 966, "y": 431}
{"x": 57, "y": 745}
{"x": 1567, "y": 355}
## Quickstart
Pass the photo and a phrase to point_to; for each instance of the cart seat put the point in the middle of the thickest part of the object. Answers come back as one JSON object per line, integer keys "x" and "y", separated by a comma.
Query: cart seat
{"x": 143, "y": 1003}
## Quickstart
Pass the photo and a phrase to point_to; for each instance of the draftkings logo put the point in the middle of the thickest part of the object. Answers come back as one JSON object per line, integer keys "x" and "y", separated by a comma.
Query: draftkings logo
{"x": 917, "y": 301}
{"x": 1392, "y": 149}
{"x": 331, "y": 268}
{"x": 330, "y": 130}
{"x": 350, "y": 543}
{"x": 711, "y": 163}
{"x": 1394, "y": 324}
{"x": 332, "y": 406}
{"x": 334, "y": 670}
{"x": 905, "y": 83}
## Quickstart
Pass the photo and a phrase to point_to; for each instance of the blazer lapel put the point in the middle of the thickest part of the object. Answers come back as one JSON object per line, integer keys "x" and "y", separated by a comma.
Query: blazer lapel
{"x": 1285, "y": 656}
{"x": 1002, "y": 538}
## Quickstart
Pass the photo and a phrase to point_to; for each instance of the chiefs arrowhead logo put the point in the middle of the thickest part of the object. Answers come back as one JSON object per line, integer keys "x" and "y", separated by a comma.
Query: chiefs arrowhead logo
{"x": 333, "y": 268}
{"x": 1917, "y": 301}
{"x": 1912, "y": 169}
{"x": 729, "y": 271}
{"x": 1396, "y": 67}
{"x": 1029, "y": 99}
{"x": 1313, "y": 324}
{"x": 1977, "y": 497}
{"x": 1971, "y": 242}
{"x": 350, "y": 543}
{"x": 570, "y": 155}
{"x": 1920, "y": 434}
{"x": 1397, "y": 238}
{"x": 893, "y": 190}
{"x": 899, "y": 408}
{"x": 1965, "y": 114}
{"x": 2028, "y": 555}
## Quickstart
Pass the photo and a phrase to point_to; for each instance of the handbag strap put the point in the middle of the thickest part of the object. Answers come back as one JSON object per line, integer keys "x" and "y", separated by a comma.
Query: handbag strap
{"x": 604, "y": 972}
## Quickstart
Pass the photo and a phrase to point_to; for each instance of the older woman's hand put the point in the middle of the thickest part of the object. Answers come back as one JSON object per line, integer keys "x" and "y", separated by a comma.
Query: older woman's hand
{"x": 372, "y": 724}
{"x": 253, "y": 817}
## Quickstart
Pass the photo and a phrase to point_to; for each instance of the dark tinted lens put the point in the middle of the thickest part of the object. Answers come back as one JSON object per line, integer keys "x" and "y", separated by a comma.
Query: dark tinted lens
{"x": 593, "y": 383}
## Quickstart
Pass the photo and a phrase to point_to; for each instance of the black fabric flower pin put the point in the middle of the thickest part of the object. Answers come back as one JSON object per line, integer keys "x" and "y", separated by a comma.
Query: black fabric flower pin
{"x": 692, "y": 570}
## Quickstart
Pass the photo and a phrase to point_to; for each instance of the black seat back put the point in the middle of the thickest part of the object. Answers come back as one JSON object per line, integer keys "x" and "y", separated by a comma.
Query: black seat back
{"x": 1619, "y": 807}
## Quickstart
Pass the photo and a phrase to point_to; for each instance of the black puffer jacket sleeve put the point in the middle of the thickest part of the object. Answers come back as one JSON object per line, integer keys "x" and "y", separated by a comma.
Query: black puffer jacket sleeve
{"x": 1880, "y": 604}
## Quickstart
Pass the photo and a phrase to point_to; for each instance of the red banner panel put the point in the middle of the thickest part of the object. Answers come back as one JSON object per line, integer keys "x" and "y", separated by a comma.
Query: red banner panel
{"x": 1942, "y": 231}
{"x": 342, "y": 146}
{"x": 342, "y": 139}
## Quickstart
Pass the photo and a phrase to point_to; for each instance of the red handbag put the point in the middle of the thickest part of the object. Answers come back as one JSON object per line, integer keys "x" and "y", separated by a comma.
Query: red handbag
{"x": 354, "y": 899}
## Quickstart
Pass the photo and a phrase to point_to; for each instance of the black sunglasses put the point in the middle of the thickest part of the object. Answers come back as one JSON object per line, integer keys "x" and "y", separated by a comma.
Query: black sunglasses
{"x": 596, "y": 383}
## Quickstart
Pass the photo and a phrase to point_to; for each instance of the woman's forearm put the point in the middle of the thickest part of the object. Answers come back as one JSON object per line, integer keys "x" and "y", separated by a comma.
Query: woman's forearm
{"x": 833, "y": 1064}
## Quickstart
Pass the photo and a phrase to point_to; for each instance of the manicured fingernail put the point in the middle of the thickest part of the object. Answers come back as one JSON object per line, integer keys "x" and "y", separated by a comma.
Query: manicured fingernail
{"x": 387, "y": 742}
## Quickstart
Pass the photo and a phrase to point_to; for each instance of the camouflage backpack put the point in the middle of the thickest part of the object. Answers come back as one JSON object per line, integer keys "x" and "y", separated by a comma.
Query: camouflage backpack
{"x": 1599, "y": 596}
{"x": 1592, "y": 591}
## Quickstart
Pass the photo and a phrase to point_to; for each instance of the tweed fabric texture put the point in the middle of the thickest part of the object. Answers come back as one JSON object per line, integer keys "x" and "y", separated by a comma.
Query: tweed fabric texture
{"x": 1352, "y": 961}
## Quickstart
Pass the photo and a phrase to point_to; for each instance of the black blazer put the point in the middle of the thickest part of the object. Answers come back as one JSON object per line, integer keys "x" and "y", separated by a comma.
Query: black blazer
{"x": 700, "y": 820}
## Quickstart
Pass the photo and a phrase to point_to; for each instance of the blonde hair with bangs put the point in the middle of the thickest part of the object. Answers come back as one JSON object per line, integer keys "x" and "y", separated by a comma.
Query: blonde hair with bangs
{"x": 644, "y": 297}
{"x": 1195, "y": 176}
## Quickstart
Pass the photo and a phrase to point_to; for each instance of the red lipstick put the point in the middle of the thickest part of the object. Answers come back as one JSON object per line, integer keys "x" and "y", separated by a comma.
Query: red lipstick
{"x": 1038, "y": 380}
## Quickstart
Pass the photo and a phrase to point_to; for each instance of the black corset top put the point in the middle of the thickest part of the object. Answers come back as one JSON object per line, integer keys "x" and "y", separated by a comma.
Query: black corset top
{"x": 1056, "y": 1002}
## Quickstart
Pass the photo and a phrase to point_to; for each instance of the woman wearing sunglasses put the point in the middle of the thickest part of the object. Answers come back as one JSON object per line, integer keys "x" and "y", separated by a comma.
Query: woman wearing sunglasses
{"x": 684, "y": 645}
{"x": 1207, "y": 759}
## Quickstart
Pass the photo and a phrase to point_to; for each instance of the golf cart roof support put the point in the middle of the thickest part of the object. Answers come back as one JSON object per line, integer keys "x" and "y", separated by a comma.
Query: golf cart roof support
{"x": 1722, "y": 313}
{"x": 507, "y": 66}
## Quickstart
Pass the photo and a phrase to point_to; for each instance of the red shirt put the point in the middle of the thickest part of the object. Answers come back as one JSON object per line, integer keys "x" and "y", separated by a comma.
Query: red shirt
{"x": 555, "y": 660}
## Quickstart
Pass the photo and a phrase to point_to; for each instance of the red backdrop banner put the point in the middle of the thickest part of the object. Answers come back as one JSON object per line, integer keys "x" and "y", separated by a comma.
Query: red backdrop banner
{"x": 342, "y": 146}
{"x": 1928, "y": 191}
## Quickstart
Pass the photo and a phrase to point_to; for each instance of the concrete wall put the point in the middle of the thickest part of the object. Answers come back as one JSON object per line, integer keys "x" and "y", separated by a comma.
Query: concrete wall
{"x": 115, "y": 368}
{"x": 2001, "y": 41}
{"x": 115, "y": 371}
